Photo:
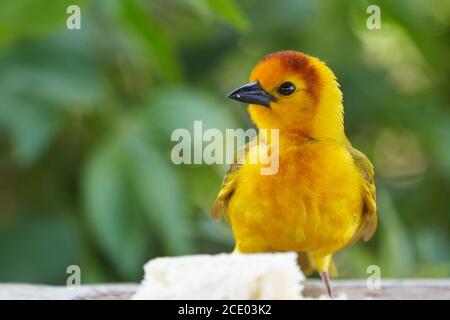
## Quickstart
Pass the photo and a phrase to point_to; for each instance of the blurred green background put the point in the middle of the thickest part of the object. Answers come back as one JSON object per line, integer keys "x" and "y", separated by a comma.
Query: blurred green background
{"x": 86, "y": 118}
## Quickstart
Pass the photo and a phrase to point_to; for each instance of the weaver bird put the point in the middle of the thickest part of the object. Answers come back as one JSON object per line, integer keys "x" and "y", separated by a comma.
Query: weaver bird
{"x": 323, "y": 196}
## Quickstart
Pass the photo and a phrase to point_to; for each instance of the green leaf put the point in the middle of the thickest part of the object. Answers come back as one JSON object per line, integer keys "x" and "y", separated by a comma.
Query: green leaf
{"x": 179, "y": 107}
{"x": 38, "y": 83}
{"x": 210, "y": 230}
{"x": 126, "y": 183}
{"x": 158, "y": 44}
{"x": 32, "y": 18}
{"x": 38, "y": 248}
{"x": 52, "y": 71}
{"x": 111, "y": 210}
{"x": 204, "y": 184}
{"x": 32, "y": 128}
{"x": 161, "y": 193}
{"x": 396, "y": 247}
{"x": 230, "y": 12}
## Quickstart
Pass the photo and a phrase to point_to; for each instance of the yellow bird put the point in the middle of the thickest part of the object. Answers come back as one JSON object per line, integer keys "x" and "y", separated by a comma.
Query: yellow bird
{"x": 322, "y": 197}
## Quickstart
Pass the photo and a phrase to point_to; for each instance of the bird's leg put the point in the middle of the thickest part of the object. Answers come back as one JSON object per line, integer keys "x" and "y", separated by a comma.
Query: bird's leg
{"x": 326, "y": 281}
{"x": 323, "y": 264}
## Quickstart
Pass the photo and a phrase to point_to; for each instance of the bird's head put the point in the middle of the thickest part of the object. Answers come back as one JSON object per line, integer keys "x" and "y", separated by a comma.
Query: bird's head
{"x": 293, "y": 92}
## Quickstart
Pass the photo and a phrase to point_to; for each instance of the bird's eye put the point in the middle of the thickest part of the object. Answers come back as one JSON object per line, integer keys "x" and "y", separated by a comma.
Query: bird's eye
{"x": 286, "y": 88}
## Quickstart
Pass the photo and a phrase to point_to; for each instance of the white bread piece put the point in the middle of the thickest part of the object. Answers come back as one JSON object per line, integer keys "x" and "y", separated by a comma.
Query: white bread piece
{"x": 222, "y": 276}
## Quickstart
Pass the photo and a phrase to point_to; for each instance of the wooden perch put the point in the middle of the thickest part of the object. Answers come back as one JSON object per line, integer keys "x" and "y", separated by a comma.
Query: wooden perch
{"x": 353, "y": 289}
{"x": 230, "y": 276}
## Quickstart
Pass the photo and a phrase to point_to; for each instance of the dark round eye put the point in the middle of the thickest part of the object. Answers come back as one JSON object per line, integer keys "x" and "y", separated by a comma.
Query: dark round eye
{"x": 286, "y": 88}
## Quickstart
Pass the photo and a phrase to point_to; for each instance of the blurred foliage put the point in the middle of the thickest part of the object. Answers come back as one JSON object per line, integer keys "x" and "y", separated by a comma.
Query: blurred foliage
{"x": 86, "y": 118}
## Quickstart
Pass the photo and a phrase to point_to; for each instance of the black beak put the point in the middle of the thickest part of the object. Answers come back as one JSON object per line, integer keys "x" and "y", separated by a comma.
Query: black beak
{"x": 252, "y": 93}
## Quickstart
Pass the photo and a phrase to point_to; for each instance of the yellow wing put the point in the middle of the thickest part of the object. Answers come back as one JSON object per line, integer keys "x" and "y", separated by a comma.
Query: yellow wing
{"x": 220, "y": 205}
{"x": 369, "y": 215}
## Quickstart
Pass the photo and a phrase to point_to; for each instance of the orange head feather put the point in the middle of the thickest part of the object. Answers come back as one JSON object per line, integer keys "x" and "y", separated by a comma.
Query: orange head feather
{"x": 304, "y": 95}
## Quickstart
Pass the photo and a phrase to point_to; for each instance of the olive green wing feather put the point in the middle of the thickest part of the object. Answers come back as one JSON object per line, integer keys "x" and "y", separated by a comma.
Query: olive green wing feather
{"x": 369, "y": 215}
{"x": 220, "y": 205}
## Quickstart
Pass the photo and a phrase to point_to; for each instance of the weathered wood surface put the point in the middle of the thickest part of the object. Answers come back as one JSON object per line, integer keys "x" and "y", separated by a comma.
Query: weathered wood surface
{"x": 352, "y": 289}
